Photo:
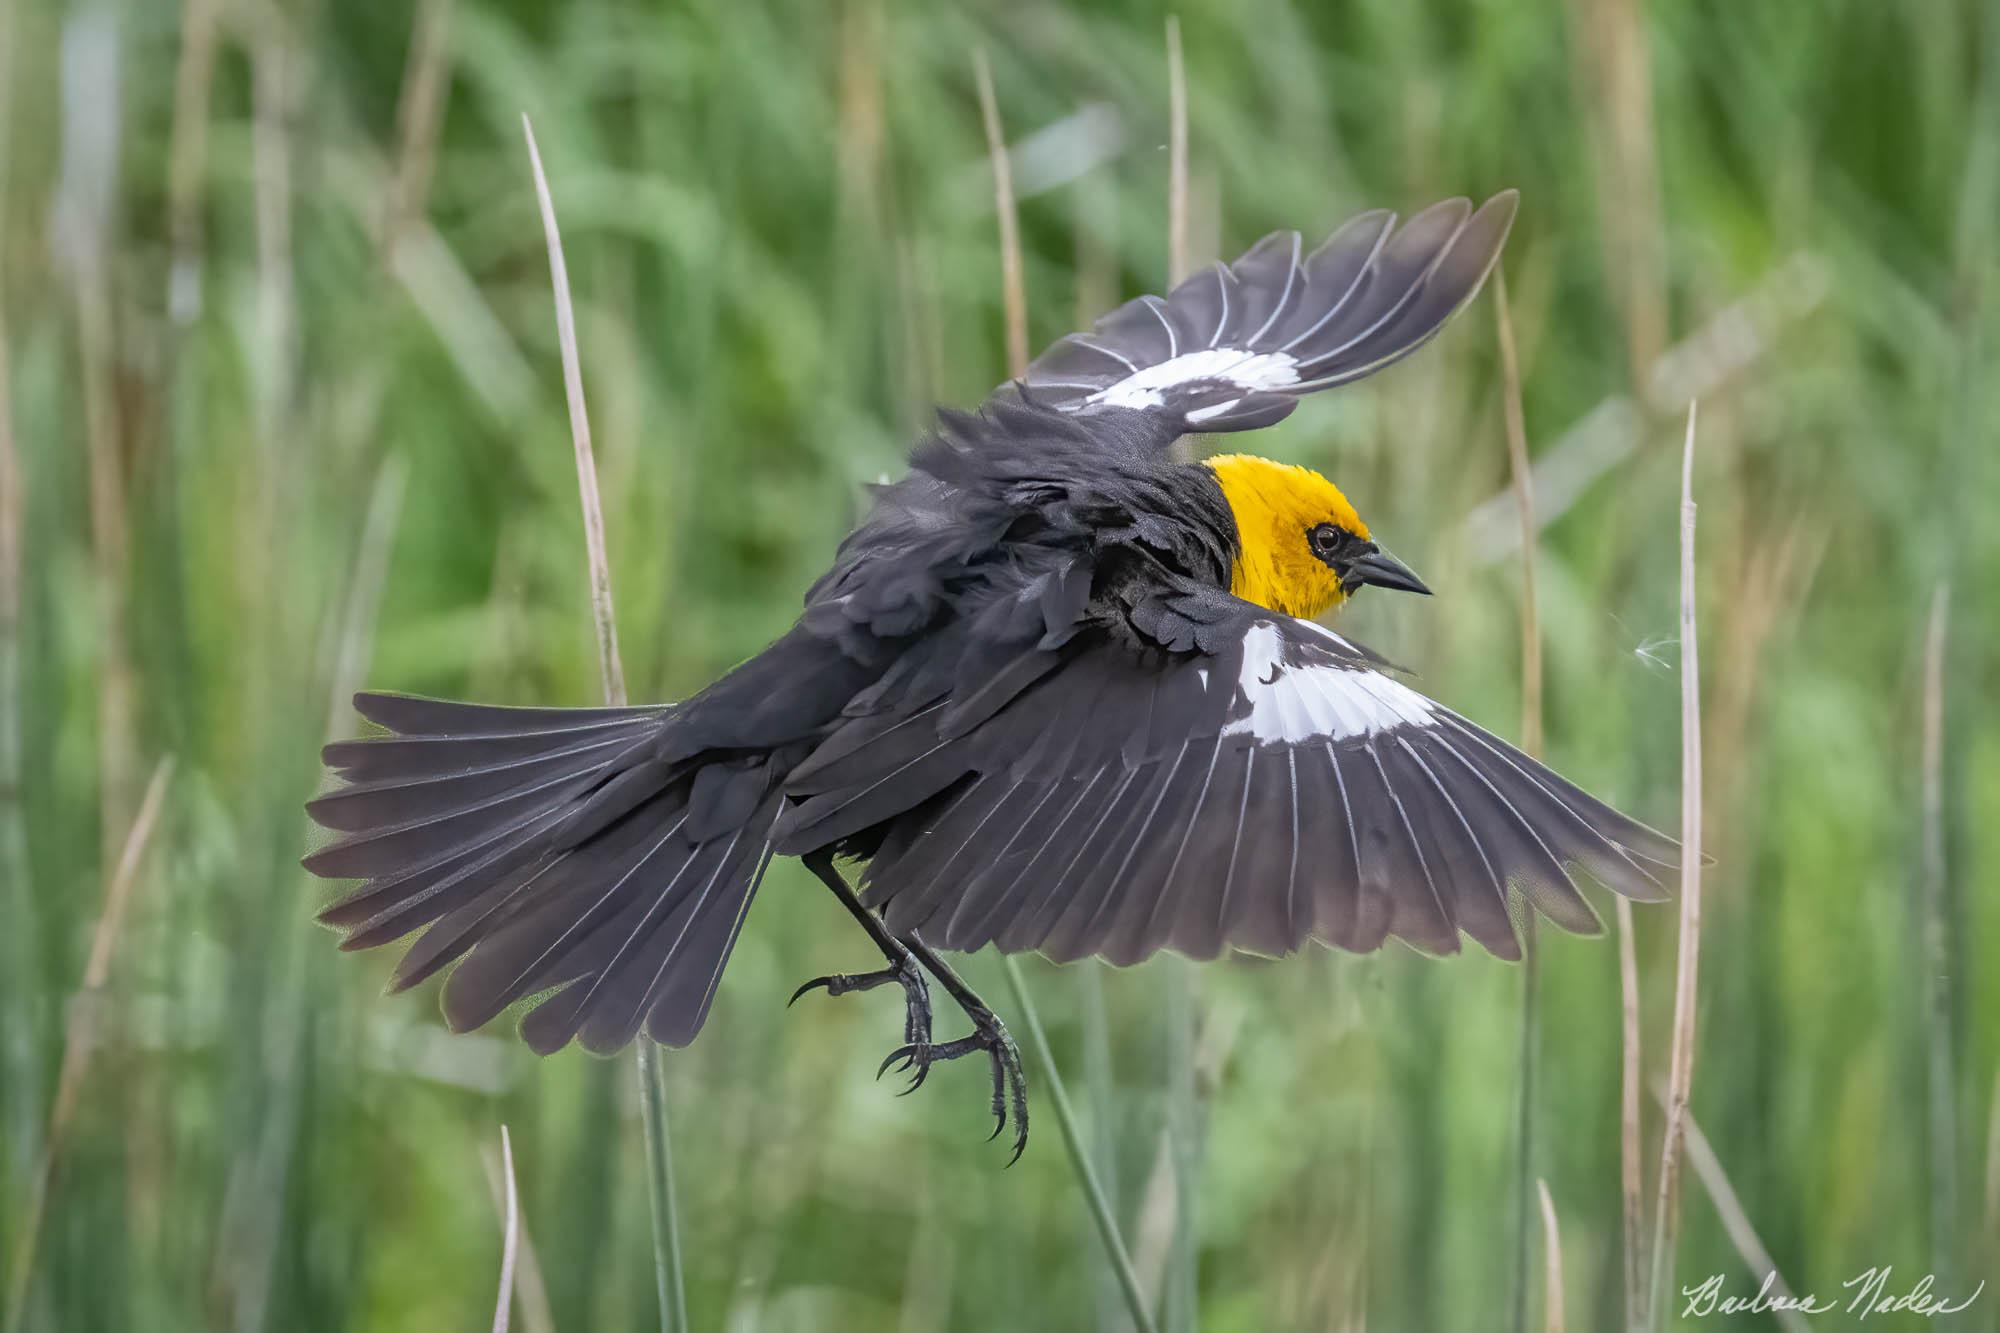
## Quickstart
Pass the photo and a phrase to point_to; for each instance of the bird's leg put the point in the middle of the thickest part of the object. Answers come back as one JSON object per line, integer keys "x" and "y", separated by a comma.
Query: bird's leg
{"x": 909, "y": 958}
{"x": 902, "y": 968}
{"x": 989, "y": 1034}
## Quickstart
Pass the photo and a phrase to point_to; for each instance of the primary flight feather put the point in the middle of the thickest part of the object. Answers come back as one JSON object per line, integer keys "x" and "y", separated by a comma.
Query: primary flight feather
{"x": 1059, "y": 691}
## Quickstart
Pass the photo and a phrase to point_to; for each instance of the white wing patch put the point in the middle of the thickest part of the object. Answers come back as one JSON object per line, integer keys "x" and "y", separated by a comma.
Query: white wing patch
{"x": 1314, "y": 627}
{"x": 1323, "y": 702}
{"x": 1245, "y": 370}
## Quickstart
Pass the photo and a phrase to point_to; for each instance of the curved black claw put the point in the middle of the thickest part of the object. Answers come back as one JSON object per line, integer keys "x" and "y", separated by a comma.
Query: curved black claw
{"x": 914, "y": 1056}
{"x": 1010, "y": 1083}
{"x": 905, "y": 973}
{"x": 903, "y": 1053}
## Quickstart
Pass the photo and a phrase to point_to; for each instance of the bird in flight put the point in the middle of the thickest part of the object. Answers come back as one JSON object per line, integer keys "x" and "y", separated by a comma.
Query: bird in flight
{"x": 1060, "y": 691}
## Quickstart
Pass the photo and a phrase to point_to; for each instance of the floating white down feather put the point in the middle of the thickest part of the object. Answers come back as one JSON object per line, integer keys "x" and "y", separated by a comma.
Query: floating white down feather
{"x": 1302, "y": 703}
{"x": 1246, "y": 370}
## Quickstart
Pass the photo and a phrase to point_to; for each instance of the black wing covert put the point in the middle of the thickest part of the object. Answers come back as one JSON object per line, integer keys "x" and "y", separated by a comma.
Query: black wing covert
{"x": 1233, "y": 347}
{"x": 1283, "y": 789}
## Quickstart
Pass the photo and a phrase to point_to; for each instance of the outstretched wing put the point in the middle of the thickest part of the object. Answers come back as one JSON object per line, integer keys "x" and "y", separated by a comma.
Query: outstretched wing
{"x": 1280, "y": 790}
{"x": 1233, "y": 347}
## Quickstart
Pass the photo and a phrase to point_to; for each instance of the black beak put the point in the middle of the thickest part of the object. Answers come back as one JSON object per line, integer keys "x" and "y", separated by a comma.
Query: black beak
{"x": 1379, "y": 569}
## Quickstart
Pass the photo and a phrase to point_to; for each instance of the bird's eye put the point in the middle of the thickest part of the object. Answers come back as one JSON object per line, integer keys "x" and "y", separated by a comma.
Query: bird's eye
{"x": 1327, "y": 539}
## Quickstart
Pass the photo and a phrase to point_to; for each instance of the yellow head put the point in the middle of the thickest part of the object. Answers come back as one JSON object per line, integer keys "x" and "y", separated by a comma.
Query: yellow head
{"x": 1305, "y": 550}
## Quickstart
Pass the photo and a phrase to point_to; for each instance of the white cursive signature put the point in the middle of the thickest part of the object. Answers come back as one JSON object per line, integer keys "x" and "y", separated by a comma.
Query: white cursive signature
{"x": 1869, "y": 1295}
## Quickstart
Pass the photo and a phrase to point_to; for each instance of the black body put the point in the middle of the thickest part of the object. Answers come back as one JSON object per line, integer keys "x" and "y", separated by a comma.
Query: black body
{"x": 1023, "y": 693}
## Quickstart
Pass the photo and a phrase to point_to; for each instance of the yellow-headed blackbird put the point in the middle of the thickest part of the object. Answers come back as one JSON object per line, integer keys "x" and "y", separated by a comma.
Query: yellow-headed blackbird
{"x": 1059, "y": 690}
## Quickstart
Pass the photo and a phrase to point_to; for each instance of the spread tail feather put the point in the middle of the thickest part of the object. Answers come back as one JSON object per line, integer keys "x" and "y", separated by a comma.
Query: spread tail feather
{"x": 555, "y": 852}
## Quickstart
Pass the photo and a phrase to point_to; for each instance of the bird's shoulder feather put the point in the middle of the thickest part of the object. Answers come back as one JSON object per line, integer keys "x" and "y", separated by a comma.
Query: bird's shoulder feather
{"x": 1006, "y": 527}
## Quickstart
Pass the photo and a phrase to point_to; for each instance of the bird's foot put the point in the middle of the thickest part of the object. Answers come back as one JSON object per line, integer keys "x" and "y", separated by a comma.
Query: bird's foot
{"x": 901, "y": 970}
{"x": 917, "y": 1053}
{"x": 989, "y": 1034}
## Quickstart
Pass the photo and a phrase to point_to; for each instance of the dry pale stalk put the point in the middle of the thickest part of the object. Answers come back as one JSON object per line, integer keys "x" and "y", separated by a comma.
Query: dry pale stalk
{"x": 670, "y": 1286}
{"x": 419, "y": 113}
{"x": 1012, "y": 293}
{"x": 1680, "y": 1068}
{"x": 529, "y": 1287}
{"x": 503, "y": 1306}
{"x": 608, "y": 662}
{"x": 1613, "y": 51}
{"x": 1631, "y": 1167}
{"x": 1177, "y": 154}
{"x": 1552, "y": 1252}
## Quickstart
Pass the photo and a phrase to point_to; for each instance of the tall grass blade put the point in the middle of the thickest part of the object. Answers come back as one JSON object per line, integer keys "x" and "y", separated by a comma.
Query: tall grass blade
{"x": 1183, "y": 1140}
{"x": 1531, "y": 741}
{"x": 1183, "y": 1129}
{"x": 266, "y": 1164}
{"x": 1612, "y": 48}
{"x": 1079, "y": 1153}
{"x": 1095, "y": 274}
{"x": 1099, "y": 1091}
{"x": 194, "y": 75}
{"x": 1680, "y": 1069}
{"x": 1523, "y": 476}
{"x": 1015, "y": 300}
{"x": 280, "y": 59}
{"x": 668, "y": 1277}
{"x": 1934, "y": 910}
{"x": 20, "y": 1102}
{"x": 670, "y": 1286}
{"x": 1736, "y": 1221}
{"x": 85, "y": 216}
{"x": 80, "y": 1040}
{"x": 419, "y": 114}
{"x": 1990, "y": 1218}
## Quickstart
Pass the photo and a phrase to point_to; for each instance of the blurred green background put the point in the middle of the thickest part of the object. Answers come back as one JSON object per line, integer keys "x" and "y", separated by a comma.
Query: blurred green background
{"x": 283, "y": 416}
